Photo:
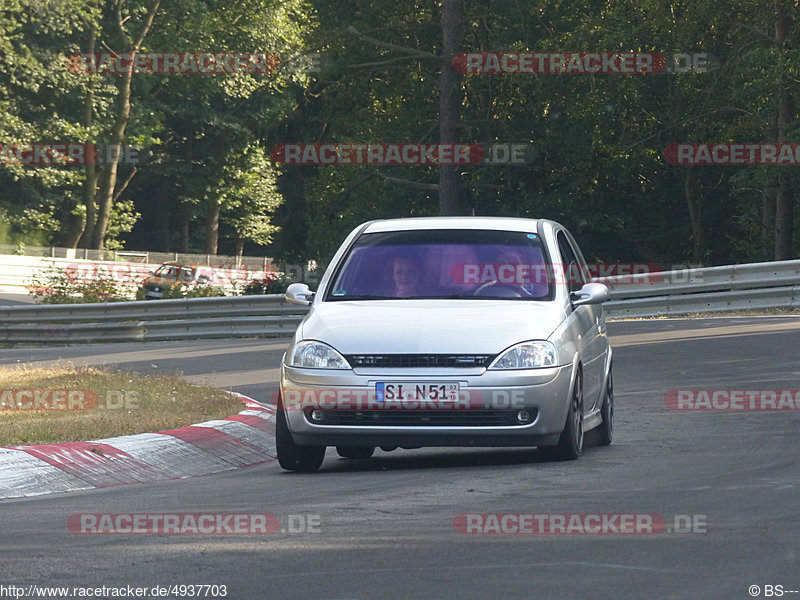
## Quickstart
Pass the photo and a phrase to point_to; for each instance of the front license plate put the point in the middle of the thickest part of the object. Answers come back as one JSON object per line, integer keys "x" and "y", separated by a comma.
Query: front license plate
{"x": 396, "y": 391}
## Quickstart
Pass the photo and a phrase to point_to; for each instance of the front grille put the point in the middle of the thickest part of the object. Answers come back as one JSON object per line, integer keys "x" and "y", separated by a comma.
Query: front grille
{"x": 406, "y": 361}
{"x": 431, "y": 418}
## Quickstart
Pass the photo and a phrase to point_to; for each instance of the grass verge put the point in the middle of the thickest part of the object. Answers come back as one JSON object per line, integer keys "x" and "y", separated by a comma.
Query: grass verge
{"x": 66, "y": 404}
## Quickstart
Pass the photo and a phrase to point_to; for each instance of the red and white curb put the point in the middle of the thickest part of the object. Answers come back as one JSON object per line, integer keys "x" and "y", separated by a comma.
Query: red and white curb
{"x": 241, "y": 440}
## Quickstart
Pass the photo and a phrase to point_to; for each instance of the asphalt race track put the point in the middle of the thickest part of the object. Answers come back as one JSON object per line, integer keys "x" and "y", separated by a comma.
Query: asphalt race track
{"x": 383, "y": 528}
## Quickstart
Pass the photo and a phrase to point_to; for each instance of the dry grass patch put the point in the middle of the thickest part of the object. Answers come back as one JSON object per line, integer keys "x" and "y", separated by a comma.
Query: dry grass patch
{"x": 66, "y": 404}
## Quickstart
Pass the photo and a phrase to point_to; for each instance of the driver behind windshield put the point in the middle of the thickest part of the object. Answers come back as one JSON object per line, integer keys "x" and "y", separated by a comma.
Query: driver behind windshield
{"x": 405, "y": 275}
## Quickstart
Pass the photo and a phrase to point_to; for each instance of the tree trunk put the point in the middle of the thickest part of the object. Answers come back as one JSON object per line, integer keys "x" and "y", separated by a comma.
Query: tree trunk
{"x": 212, "y": 226}
{"x": 90, "y": 183}
{"x": 239, "y": 247}
{"x": 186, "y": 219}
{"x": 73, "y": 230}
{"x": 108, "y": 180}
{"x": 784, "y": 197}
{"x": 695, "y": 216}
{"x": 450, "y": 189}
{"x": 162, "y": 228}
{"x": 784, "y": 192}
{"x": 90, "y": 192}
{"x": 768, "y": 202}
{"x": 784, "y": 217}
{"x": 768, "y": 219}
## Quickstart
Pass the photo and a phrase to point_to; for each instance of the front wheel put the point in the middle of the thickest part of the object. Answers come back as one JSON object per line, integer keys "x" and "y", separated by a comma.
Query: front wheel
{"x": 606, "y": 430}
{"x": 570, "y": 443}
{"x": 291, "y": 456}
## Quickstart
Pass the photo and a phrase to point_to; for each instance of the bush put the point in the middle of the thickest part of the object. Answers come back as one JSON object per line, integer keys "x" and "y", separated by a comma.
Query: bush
{"x": 267, "y": 285}
{"x": 56, "y": 285}
{"x": 203, "y": 291}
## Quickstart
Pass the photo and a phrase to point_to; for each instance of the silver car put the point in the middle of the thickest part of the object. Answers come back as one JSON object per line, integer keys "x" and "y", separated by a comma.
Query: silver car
{"x": 447, "y": 331}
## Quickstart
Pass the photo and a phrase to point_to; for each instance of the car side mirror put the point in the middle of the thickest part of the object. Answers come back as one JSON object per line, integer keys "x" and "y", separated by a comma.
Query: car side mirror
{"x": 590, "y": 293}
{"x": 298, "y": 293}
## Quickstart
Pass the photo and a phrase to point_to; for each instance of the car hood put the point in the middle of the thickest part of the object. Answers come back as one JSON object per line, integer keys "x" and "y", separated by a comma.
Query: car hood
{"x": 429, "y": 326}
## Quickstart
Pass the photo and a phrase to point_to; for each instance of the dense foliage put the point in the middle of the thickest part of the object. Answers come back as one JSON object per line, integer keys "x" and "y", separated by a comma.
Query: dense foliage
{"x": 55, "y": 285}
{"x": 358, "y": 71}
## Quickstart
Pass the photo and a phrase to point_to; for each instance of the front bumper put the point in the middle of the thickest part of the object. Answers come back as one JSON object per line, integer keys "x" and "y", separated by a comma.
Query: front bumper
{"x": 154, "y": 292}
{"x": 544, "y": 393}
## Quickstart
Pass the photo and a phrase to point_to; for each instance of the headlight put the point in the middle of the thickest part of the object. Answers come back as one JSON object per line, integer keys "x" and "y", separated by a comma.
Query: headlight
{"x": 527, "y": 355}
{"x": 316, "y": 355}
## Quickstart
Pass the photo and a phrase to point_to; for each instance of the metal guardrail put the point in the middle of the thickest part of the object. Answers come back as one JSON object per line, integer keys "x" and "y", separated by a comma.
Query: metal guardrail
{"x": 753, "y": 286}
{"x": 705, "y": 290}
{"x": 152, "y": 320}
{"x": 759, "y": 299}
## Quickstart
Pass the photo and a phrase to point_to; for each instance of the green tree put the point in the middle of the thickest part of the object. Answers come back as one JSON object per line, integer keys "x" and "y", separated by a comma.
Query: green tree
{"x": 251, "y": 198}
{"x": 40, "y": 103}
{"x": 207, "y": 125}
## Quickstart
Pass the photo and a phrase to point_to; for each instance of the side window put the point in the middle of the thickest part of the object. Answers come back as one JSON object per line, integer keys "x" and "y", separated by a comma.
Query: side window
{"x": 573, "y": 273}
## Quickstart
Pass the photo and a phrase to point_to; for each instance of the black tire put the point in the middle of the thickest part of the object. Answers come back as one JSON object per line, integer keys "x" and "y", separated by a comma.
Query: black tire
{"x": 355, "y": 451}
{"x": 605, "y": 433}
{"x": 570, "y": 443}
{"x": 291, "y": 456}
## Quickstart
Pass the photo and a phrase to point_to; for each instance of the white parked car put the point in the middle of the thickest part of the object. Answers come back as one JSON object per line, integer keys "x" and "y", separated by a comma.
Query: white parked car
{"x": 447, "y": 331}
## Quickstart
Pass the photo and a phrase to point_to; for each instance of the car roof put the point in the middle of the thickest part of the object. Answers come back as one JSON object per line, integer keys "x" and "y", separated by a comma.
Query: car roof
{"x": 185, "y": 265}
{"x": 422, "y": 223}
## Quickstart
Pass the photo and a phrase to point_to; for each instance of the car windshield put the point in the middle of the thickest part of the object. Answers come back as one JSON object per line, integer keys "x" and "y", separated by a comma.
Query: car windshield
{"x": 461, "y": 263}
{"x": 167, "y": 271}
